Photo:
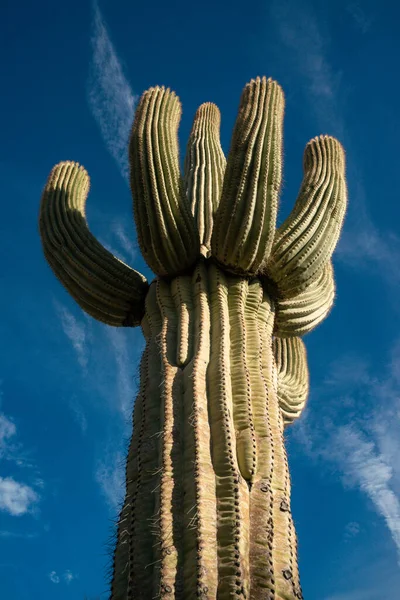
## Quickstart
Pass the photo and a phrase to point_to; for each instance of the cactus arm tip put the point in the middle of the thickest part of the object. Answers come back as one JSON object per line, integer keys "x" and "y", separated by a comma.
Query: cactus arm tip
{"x": 104, "y": 286}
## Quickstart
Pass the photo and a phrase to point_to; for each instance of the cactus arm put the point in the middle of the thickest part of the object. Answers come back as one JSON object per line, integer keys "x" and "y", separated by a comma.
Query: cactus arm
{"x": 204, "y": 171}
{"x": 167, "y": 231}
{"x": 105, "y": 287}
{"x": 301, "y": 314}
{"x": 293, "y": 381}
{"x": 306, "y": 240}
{"x": 246, "y": 217}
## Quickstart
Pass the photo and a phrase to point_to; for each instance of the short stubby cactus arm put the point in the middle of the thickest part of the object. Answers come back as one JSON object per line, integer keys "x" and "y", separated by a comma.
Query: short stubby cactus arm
{"x": 304, "y": 243}
{"x": 103, "y": 286}
{"x": 166, "y": 229}
{"x": 292, "y": 375}
{"x": 204, "y": 171}
{"x": 302, "y": 313}
{"x": 245, "y": 221}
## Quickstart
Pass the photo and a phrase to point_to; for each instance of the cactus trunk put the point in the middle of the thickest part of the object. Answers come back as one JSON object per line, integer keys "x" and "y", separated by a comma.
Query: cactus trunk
{"x": 207, "y": 509}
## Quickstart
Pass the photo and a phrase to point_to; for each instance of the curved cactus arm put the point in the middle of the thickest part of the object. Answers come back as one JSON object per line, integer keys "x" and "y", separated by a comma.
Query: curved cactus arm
{"x": 302, "y": 313}
{"x": 204, "y": 171}
{"x": 104, "y": 286}
{"x": 292, "y": 372}
{"x": 167, "y": 231}
{"x": 306, "y": 240}
{"x": 245, "y": 221}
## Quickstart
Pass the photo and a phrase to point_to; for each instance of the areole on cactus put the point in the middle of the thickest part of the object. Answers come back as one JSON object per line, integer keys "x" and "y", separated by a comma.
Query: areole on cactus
{"x": 207, "y": 507}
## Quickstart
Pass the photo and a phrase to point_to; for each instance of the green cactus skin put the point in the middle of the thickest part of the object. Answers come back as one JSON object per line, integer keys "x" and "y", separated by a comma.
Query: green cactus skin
{"x": 204, "y": 171}
{"x": 207, "y": 507}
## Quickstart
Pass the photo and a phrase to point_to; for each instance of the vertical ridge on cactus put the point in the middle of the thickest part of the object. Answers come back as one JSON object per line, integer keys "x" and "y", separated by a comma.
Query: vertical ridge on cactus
{"x": 204, "y": 171}
{"x": 207, "y": 506}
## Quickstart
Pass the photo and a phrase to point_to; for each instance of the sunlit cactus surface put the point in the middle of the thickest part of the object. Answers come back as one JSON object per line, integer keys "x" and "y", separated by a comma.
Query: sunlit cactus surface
{"x": 207, "y": 507}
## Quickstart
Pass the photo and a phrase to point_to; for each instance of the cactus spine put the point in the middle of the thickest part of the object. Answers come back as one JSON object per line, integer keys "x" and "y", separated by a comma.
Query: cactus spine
{"x": 207, "y": 507}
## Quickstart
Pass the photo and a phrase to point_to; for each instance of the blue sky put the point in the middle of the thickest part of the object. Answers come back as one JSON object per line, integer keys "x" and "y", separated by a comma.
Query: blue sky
{"x": 71, "y": 77}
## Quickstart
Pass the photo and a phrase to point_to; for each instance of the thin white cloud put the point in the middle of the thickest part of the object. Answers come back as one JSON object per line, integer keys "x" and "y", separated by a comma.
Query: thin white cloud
{"x": 362, "y": 245}
{"x": 365, "y": 467}
{"x": 366, "y": 446}
{"x": 16, "y": 498}
{"x": 110, "y": 96}
{"x": 361, "y": 20}
{"x": 75, "y": 332}
{"x": 7, "y": 431}
{"x": 125, "y": 381}
{"x": 68, "y": 576}
{"x": 110, "y": 476}
{"x": 54, "y": 578}
{"x": 300, "y": 33}
{"x": 79, "y": 414}
{"x": 118, "y": 242}
{"x": 128, "y": 246}
{"x": 352, "y": 529}
{"x": 17, "y": 534}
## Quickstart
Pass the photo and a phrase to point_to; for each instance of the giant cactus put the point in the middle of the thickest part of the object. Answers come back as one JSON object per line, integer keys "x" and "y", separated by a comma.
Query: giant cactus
{"x": 207, "y": 506}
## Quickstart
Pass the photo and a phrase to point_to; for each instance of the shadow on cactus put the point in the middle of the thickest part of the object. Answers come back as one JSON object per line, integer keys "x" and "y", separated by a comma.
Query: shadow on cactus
{"x": 207, "y": 507}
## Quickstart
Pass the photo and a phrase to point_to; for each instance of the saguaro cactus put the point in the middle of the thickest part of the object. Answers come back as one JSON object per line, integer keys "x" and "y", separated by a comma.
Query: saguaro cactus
{"x": 207, "y": 508}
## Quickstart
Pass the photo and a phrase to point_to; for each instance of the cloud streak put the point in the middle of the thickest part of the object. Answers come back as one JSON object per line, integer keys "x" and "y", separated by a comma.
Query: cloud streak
{"x": 366, "y": 445}
{"x": 300, "y": 33}
{"x": 125, "y": 380}
{"x": 110, "y": 476}
{"x": 367, "y": 469}
{"x": 110, "y": 96}
{"x": 75, "y": 332}
{"x": 7, "y": 431}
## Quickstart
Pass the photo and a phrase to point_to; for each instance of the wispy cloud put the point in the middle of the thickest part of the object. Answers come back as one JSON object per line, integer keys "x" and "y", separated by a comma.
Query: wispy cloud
{"x": 18, "y": 534}
{"x": 79, "y": 414}
{"x": 300, "y": 33}
{"x": 75, "y": 332}
{"x": 109, "y": 94}
{"x": 365, "y": 467}
{"x": 54, "y": 578}
{"x": 110, "y": 372}
{"x": 125, "y": 380}
{"x": 67, "y": 576}
{"x": 128, "y": 246}
{"x": 352, "y": 529}
{"x": 361, "y": 19}
{"x": 110, "y": 476}
{"x": 118, "y": 242}
{"x": 363, "y": 245}
{"x": 7, "y": 431}
{"x": 358, "y": 432}
{"x": 16, "y": 498}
